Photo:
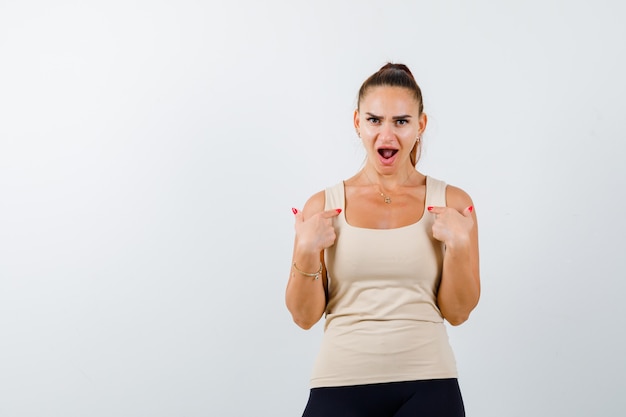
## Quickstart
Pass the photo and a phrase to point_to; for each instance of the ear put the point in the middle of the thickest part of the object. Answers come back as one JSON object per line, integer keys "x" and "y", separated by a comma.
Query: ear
{"x": 356, "y": 120}
{"x": 423, "y": 121}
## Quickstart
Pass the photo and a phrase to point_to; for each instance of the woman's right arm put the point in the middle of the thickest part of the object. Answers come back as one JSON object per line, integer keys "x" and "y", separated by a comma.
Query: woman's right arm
{"x": 306, "y": 296}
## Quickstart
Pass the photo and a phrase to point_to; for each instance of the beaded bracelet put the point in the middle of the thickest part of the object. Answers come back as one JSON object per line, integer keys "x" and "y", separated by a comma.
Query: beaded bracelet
{"x": 308, "y": 274}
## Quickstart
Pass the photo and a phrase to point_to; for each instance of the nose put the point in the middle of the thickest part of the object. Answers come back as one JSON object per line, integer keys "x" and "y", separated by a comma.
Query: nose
{"x": 387, "y": 131}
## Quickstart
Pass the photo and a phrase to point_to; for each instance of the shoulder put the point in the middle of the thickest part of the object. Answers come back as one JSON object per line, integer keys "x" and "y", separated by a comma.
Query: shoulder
{"x": 314, "y": 204}
{"x": 457, "y": 198}
{"x": 333, "y": 195}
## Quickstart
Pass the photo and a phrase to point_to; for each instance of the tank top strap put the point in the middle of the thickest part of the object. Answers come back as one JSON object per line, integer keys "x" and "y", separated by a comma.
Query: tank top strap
{"x": 435, "y": 192}
{"x": 335, "y": 197}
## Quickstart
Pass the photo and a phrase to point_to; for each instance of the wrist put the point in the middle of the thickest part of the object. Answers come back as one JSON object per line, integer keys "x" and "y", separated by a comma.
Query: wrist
{"x": 458, "y": 244}
{"x": 306, "y": 249}
{"x": 316, "y": 274}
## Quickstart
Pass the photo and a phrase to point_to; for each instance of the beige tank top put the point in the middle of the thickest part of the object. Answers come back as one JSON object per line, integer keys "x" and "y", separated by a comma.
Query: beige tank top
{"x": 382, "y": 320}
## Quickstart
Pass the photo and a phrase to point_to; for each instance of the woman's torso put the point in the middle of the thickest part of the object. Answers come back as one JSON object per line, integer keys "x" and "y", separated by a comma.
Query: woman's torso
{"x": 382, "y": 320}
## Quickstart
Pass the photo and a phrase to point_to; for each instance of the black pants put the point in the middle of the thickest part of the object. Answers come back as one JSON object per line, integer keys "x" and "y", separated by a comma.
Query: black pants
{"x": 428, "y": 398}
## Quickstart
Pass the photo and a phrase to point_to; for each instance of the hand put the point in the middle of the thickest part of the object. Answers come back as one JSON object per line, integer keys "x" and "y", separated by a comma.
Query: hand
{"x": 451, "y": 226}
{"x": 316, "y": 233}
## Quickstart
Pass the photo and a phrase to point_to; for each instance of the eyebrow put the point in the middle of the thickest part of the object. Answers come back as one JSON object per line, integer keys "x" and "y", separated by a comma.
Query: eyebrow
{"x": 404, "y": 116}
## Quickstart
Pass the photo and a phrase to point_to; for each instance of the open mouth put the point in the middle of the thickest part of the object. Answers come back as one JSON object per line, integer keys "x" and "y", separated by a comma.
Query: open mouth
{"x": 387, "y": 153}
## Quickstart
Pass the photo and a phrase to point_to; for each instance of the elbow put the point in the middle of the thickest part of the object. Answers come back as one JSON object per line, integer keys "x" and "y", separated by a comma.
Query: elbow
{"x": 303, "y": 320}
{"x": 456, "y": 318}
{"x": 457, "y": 315}
{"x": 457, "y": 321}
{"x": 304, "y": 324}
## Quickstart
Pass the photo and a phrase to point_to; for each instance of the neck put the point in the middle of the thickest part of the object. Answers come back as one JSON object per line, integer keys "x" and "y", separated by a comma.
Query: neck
{"x": 388, "y": 182}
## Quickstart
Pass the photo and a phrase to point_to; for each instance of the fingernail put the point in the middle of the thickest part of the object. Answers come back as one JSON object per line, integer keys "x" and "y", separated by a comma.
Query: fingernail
{"x": 338, "y": 210}
{"x": 470, "y": 208}
{"x": 430, "y": 208}
{"x": 295, "y": 211}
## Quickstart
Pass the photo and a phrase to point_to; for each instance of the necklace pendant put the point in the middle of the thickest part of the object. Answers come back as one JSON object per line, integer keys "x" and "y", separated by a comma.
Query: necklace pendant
{"x": 387, "y": 200}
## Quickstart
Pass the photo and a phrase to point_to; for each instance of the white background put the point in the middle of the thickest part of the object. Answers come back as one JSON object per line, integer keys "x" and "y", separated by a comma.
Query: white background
{"x": 151, "y": 151}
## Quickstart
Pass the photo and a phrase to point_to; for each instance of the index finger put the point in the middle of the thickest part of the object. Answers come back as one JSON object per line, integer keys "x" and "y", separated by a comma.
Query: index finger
{"x": 436, "y": 209}
{"x": 330, "y": 213}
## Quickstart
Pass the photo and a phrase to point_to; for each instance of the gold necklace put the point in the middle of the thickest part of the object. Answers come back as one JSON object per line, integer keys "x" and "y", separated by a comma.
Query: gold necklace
{"x": 385, "y": 197}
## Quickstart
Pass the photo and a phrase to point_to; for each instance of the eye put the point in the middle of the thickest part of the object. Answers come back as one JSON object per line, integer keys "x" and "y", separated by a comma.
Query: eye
{"x": 402, "y": 122}
{"x": 373, "y": 120}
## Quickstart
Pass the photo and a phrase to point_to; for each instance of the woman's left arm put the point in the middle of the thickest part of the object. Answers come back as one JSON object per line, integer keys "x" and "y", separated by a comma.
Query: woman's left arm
{"x": 456, "y": 226}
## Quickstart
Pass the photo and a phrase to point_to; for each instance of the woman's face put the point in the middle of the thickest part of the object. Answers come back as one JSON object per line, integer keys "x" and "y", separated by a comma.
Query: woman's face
{"x": 389, "y": 123}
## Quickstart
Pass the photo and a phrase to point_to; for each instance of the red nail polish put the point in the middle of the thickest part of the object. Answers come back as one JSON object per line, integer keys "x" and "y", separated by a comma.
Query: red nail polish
{"x": 295, "y": 211}
{"x": 338, "y": 210}
{"x": 430, "y": 208}
{"x": 470, "y": 208}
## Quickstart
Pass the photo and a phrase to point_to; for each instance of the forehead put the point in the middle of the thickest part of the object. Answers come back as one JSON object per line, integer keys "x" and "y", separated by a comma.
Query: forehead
{"x": 388, "y": 99}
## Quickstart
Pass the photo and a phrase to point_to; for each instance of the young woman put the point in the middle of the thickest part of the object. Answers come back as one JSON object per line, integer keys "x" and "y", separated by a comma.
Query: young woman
{"x": 386, "y": 255}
